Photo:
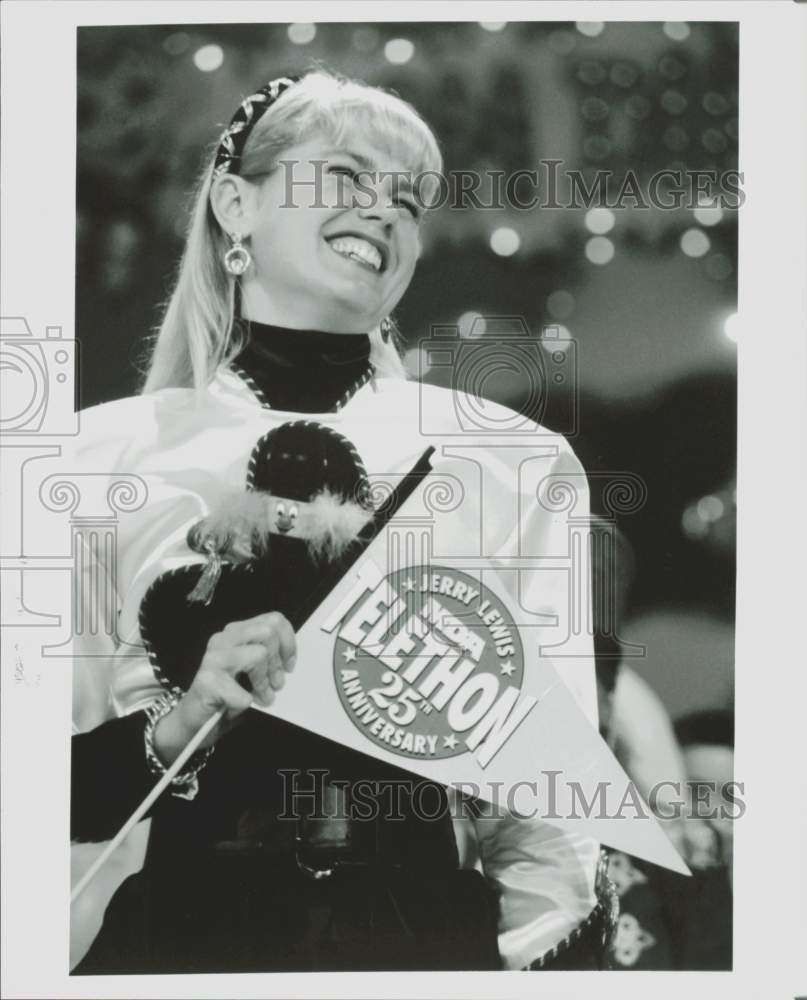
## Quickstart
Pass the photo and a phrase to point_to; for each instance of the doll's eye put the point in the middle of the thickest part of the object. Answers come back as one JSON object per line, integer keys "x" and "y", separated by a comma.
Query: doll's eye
{"x": 292, "y": 513}
{"x": 280, "y": 509}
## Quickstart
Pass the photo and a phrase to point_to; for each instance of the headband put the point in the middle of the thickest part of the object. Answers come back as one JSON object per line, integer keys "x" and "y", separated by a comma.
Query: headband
{"x": 231, "y": 144}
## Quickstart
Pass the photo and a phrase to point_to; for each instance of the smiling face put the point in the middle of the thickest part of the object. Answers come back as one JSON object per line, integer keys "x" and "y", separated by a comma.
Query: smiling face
{"x": 334, "y": 238}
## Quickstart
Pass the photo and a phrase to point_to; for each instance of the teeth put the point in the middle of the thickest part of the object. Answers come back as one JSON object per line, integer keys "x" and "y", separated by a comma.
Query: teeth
{"x": 358, "y": 249}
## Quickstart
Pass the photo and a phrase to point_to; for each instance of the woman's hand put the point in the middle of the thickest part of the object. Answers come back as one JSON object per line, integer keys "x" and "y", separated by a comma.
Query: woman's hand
{"x": 259, "y": 651}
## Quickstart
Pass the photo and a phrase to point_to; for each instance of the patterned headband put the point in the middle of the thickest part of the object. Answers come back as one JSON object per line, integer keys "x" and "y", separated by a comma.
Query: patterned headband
{"x": 231, "y": 144}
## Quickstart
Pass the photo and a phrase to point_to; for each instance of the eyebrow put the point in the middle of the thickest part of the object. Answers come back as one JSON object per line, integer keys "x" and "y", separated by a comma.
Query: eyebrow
{"x": 368, "y": 164}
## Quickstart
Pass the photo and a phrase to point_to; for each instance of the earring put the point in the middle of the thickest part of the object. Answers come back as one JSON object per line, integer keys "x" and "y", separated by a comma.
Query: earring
{"x": 386, "y": 329}
{"x": 238, "y": 258}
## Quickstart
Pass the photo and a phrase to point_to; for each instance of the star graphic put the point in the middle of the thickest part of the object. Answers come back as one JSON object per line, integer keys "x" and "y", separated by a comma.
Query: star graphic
{"x": 508, "y": 668}
{"x": 349, "y": 654}
{"x": 409, "y": 583}
{"x": 450, "y": 742}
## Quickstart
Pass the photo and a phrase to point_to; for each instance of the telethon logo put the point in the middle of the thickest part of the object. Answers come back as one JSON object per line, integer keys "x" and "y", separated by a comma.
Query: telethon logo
{"x": 428, "y": 663}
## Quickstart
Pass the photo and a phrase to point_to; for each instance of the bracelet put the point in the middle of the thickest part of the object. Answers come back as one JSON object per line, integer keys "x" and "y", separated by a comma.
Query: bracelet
{"x": 186, "y": 784}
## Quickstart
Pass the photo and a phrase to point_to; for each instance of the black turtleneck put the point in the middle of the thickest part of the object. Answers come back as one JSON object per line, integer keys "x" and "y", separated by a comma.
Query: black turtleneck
{"x": 305, "y": 371}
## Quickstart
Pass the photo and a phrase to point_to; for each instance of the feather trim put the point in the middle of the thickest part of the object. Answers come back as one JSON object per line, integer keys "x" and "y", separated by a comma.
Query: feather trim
{"x": 334, "y": 524}
{"x": 240, "y": 527}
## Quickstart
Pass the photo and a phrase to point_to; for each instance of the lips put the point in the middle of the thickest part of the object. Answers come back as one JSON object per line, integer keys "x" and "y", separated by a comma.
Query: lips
{"x": 363, "y": 250}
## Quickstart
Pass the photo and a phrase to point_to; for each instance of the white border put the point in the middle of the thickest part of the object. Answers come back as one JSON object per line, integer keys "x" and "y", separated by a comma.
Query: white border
{"x": 38, "y": 225}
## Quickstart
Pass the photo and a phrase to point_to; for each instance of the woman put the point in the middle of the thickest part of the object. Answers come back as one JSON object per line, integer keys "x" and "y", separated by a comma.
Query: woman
{"x": 304, "y": 238}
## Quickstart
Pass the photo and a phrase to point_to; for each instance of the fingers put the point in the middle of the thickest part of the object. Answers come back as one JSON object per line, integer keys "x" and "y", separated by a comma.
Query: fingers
{"x": 272, "y": 629}
{"x": 262, "y": 649}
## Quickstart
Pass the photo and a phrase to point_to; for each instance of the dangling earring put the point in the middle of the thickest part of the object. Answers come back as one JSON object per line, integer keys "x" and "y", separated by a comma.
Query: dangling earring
{"x": 386, "y": 329}
{"x": 238, "y": 258}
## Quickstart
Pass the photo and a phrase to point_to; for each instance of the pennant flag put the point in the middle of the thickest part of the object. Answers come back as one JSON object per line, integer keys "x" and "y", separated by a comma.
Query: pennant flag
{"x": 435, "y": 662}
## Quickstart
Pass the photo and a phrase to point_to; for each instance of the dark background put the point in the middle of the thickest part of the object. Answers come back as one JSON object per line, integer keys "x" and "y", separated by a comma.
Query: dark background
{"x": 656, "y": 371}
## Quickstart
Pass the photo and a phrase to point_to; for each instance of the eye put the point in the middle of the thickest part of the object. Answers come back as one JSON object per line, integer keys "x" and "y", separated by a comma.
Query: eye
{"x": 280, "y": 509}
{"x": 292, "y": 513}
{"x": 343, "y": 171}
{"x": 410, "y": 206}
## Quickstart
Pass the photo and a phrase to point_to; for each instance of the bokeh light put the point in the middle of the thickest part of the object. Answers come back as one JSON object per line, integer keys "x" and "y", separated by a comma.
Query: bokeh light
{"x": 177, "y": 43}
{"x": 208, "y": 58}
{"x": 504, "y": 241}
{"x": 731, "y": 327}
{"x": 590, "y": 28}
{"x": 710, "y": 508}
{"x": 708, "y": 215}
{"x": 416, "y": 361}
{"x": 600, "y": 250}
{"x": 492, "y": 25}
{"x": 600, "y": 220}
{"x": 678, "y": 31}
{"x": 673, "y": 102}
{"x": 365, "y": 39}
{"x": 562, "y": 42}
{"x": 399, "y": 51}
{"x": 695, "y": 242}
{"x": 471, "y": 325}
{"x": 302, "y": 33}
{"x": 556, "y": 339}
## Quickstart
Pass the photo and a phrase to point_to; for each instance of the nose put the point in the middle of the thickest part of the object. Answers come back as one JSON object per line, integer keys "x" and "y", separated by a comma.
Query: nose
{"x": 382, "y": 207}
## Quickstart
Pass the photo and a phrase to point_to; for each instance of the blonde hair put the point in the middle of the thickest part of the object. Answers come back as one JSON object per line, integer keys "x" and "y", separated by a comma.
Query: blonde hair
{"x": 197, "y": 334}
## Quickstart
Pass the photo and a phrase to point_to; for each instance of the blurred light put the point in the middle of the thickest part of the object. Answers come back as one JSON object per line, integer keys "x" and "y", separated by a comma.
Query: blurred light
{"x": 416, "y": 361}
{"x": 560, "y": 304}
{"x": 718, "y": 266}
{"x": 637, "y": 106}
{"x": 671, "y": 67}
{"x": 715, "y": 104}
{"x": 673, "y": 102}
{"x": 472, "y": 325}
{"x": 208, "y": 58}
{"x": 399, "y": 51}
{"x": 591, "y": 72}
{"x": 594, "y": 109}
{"x": 714, "y": 140}
{"x": 623, "y": 75}
{"x": 590, "y": 28}
{"x": 596, "y": 147}
{"x": 504, "y": 241}
{"x": 556, "y": 340}
{"x": 678, "y": 31}
{"x": 177, "y": 43}
{"x": 600, "y": 220}
{"x": 710, "y": 508}
{"x": 676, "y": 138}
{"x": 492, "y": 25}
{"x": 695, "y": 243}
{"x": 365, "y": 39}
{"x": 562, "y": 42}
{"x": 599, "y": 250}
{"x": 693, "y": 524}
{"x": 708, "y": 215}
{"x": 302, "y": 33}
{"x": 731, "y": 327}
